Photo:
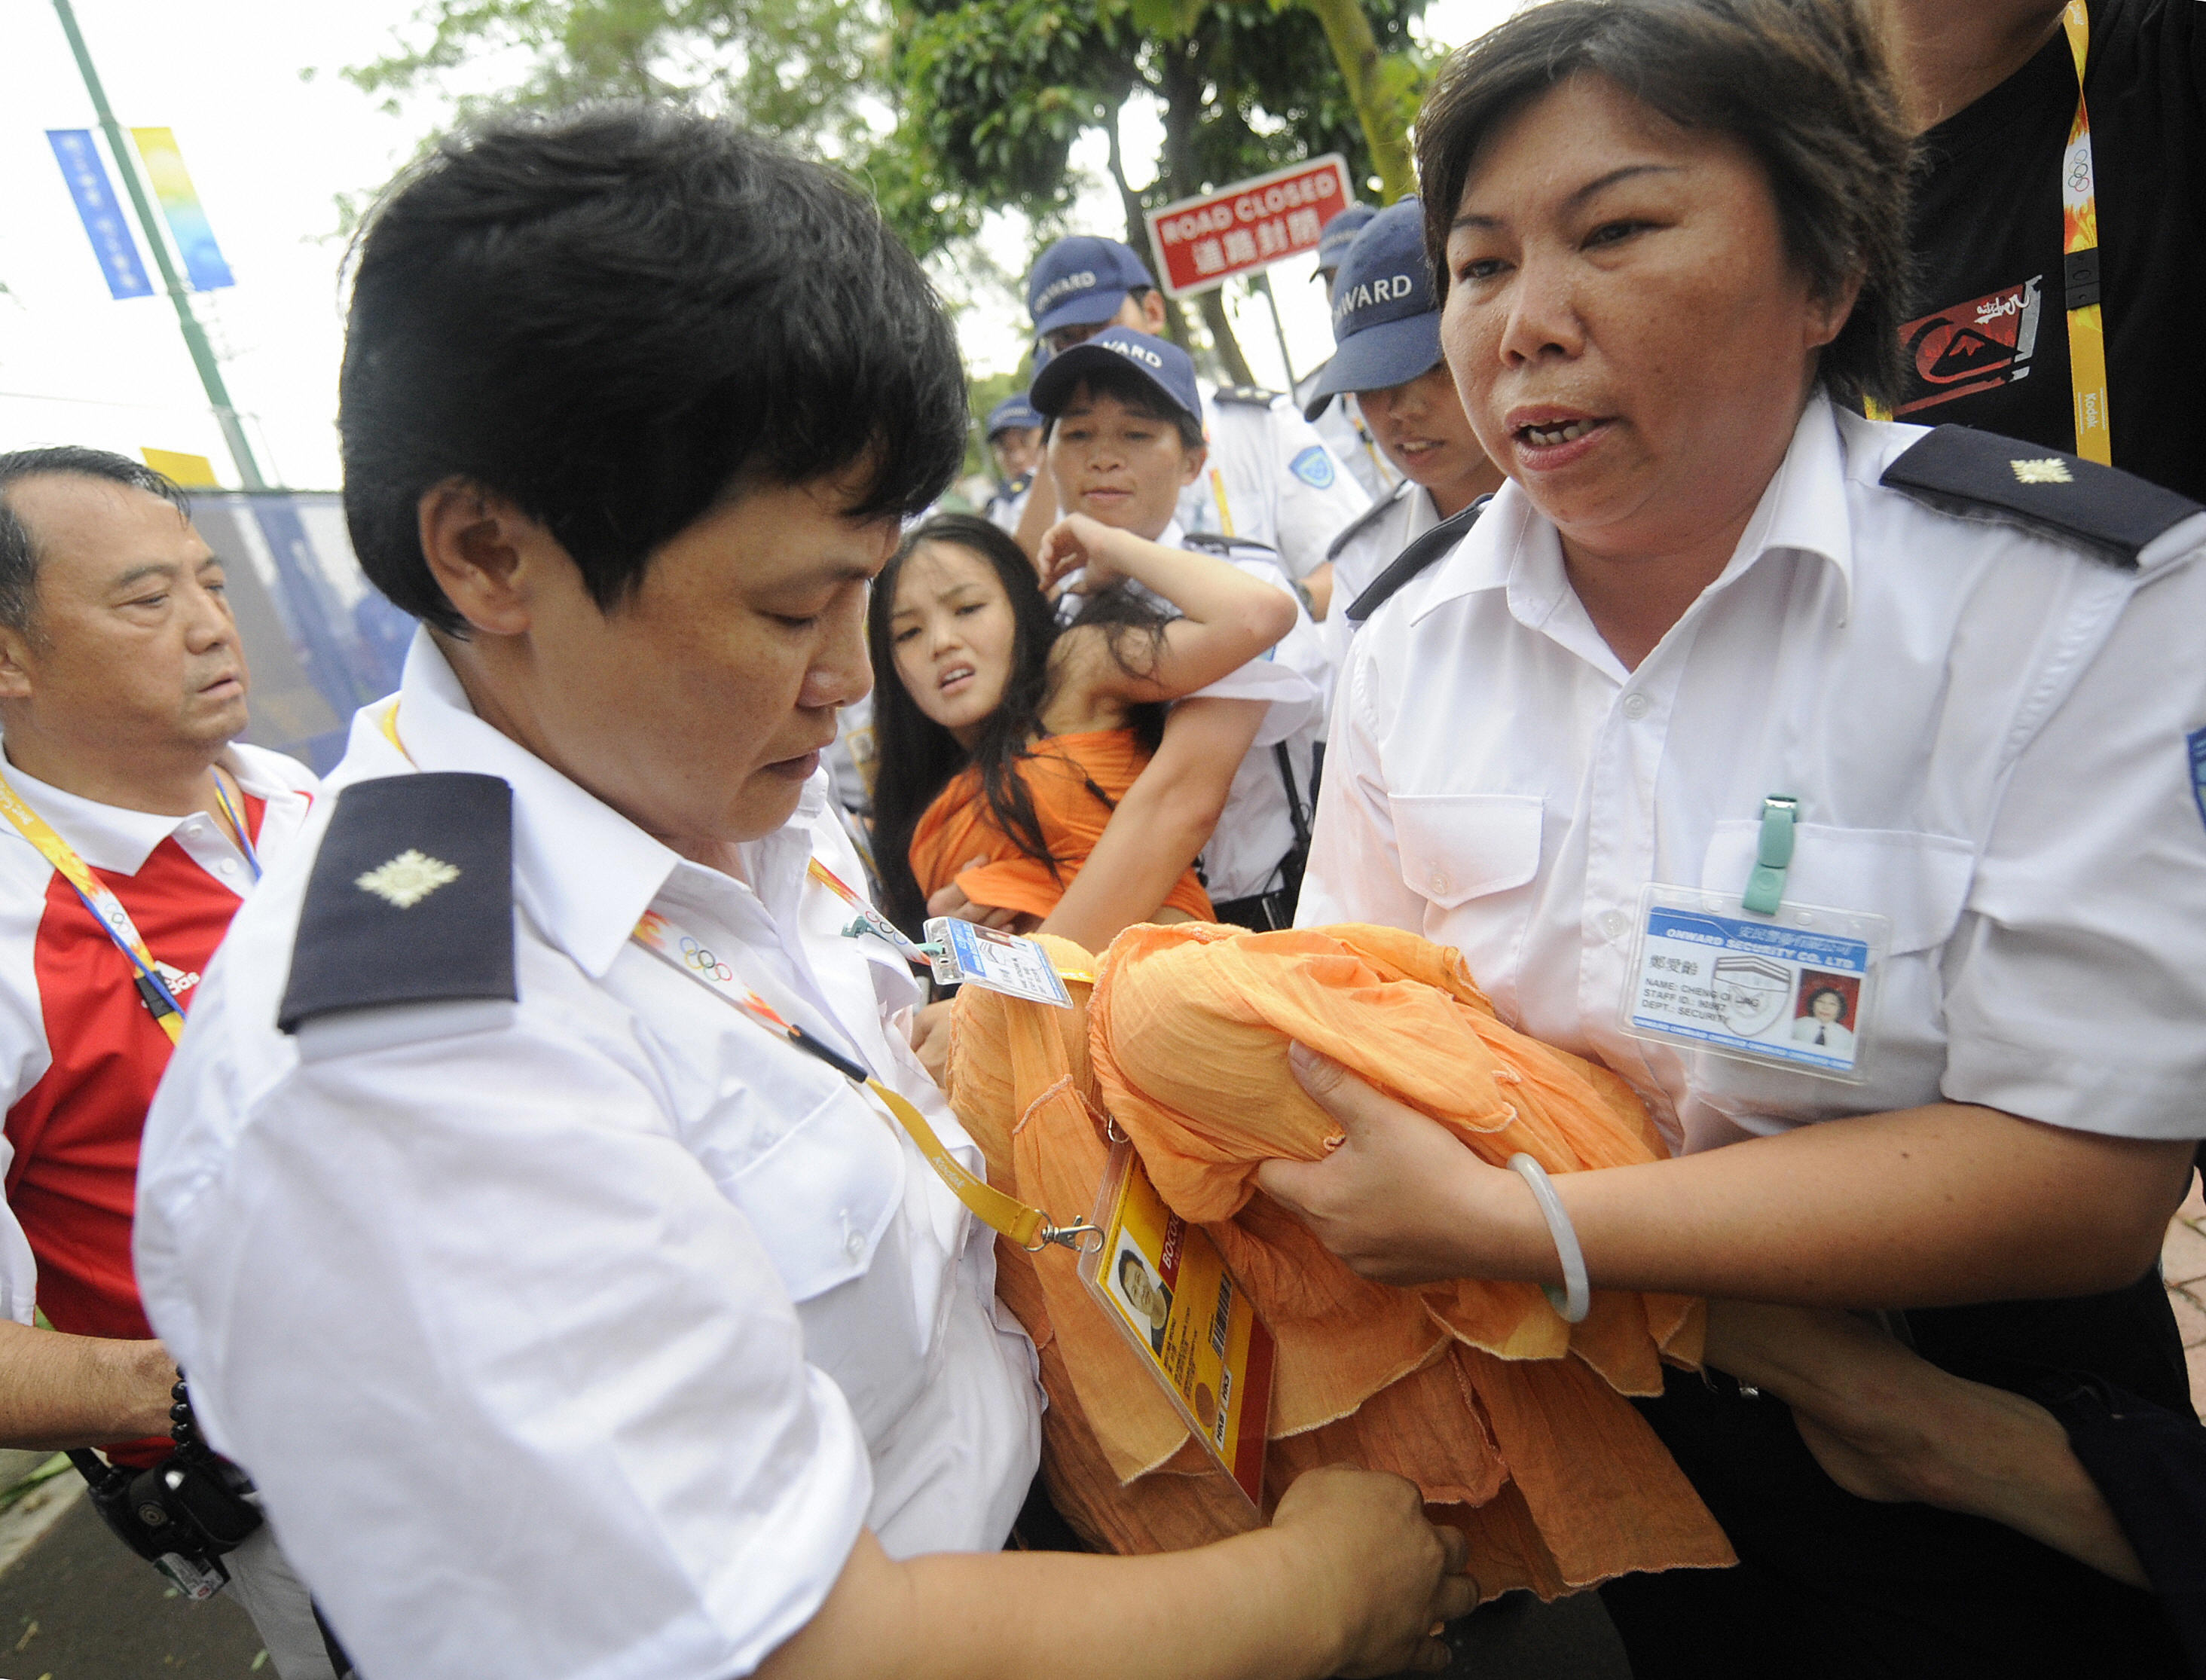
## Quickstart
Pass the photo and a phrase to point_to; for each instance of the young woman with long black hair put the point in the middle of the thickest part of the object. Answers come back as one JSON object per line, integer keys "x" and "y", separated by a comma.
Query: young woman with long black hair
{"x": 1007, "y": 738}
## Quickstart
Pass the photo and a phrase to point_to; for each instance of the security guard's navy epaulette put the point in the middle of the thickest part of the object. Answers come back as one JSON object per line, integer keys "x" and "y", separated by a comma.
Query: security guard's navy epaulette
{"x": 1974, "y": 474}
{"x": 411, "y": 900}
{"x": 1252, "y": 396}
{"x": 1414, "y": 559}
{"x": 1219, "y": 543}
{"x": 1348, "y": 533}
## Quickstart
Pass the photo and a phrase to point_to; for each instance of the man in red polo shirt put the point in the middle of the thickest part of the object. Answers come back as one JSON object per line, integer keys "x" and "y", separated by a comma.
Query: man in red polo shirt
{"x": 122, "y": 690}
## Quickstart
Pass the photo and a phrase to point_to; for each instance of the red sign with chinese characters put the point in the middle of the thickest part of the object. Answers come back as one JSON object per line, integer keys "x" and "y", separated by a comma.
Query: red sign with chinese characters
{"x": 1251, "y": 225}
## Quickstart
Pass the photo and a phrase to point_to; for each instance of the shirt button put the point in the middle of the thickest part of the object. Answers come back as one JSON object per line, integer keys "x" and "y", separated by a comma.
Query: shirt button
{"x": 1613, "y": 923}
{"x": 1439, "y": 882}
{"x": 227, "y": 867}
{"x": 855, "y": 1244}
{"x": 1635, "y": 705}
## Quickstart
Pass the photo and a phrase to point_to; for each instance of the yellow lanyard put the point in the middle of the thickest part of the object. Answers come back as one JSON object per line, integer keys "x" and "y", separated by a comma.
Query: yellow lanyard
{"x": 1029, "y": 1227}
{"x": 1218, "y": 495}
{"x": 2079, "y": 247}
{"x": 105, "y": 908}
{"x": 2079, "y": 263}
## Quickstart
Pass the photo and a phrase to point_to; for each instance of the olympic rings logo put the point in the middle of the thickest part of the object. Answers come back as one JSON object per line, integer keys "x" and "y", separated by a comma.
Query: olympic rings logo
{"x": 703, "y": 960}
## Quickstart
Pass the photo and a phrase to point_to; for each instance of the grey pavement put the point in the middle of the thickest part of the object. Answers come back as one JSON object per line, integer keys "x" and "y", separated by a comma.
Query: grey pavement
{"x": 77, "y": 1607}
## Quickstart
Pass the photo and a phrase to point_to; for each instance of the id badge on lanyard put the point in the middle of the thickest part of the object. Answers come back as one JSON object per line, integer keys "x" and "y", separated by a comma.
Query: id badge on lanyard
{"x": 1164, "y": 1286}
{"x": 1753, "y": 976}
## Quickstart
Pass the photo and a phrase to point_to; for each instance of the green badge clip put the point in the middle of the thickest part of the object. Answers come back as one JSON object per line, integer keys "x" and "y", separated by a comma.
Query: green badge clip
{"x": 1765, "y": 887}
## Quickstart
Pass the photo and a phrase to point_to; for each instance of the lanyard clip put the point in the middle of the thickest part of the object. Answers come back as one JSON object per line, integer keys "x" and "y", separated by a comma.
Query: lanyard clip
{"x": 1073, "y": 1236}
{"x": 1765, "y": 886}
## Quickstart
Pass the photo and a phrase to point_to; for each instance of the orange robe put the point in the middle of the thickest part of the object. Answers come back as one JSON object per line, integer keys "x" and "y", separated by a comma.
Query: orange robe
{"x": 959, "y": 827}
{"x": 1513, "y": 1423}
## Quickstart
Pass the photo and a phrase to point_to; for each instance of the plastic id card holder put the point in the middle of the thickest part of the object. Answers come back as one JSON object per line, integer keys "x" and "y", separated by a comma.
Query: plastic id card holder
{"x": 1794, "y": 990}
{"x": 972, "y": 954}
{"x": 1164, "y": 1284}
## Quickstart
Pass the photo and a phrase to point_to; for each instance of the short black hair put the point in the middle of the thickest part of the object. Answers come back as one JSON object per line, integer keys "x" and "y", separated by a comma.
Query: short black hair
{"x": 1823, "y": 991}
{"x": 618, "y": 316}
{"x": 1803, "y": 85}
{"x": 19, "y": 554}
{"x": 1139, "y": 393}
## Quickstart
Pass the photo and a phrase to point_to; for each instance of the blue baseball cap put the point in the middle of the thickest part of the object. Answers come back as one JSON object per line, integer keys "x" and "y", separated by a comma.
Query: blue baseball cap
{"x": 1163, "y": 363}
{"x": 1340, "y": 233}
{"x": 1013, "y": 413}
{"x": 1082, "y": 280}
{"x": 1385, "y": 319}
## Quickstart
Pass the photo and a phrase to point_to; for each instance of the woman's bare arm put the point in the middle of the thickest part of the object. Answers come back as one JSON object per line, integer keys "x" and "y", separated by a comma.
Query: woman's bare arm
{"x": 1349, "y": 1579}
{"x": 1887, "y": 1424}
{"x": 1165, "y": 821}
{"x": 1230, "y": 618}
{"x": 1925, "y": 1206}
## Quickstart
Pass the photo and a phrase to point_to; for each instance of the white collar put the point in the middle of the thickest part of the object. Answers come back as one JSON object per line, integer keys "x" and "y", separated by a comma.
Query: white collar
{"x": 114, "y": 838}
{"x": 1803, "y": 509}
{"x": 584, "y": 872}
{"x": 1174, "y": 535}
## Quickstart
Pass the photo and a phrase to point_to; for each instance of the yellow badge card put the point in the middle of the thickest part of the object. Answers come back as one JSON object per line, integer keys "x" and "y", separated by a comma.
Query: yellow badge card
{"x": 1163, "y": 1282}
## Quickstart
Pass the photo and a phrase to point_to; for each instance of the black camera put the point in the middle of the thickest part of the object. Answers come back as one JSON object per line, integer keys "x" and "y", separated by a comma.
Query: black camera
{"x": 182, "y": 1514}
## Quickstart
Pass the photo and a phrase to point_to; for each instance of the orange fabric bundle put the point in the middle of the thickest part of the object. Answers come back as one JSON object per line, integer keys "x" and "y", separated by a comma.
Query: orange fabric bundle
{"x": 1513, "y": 1422}
{"x": 959, "y": 827}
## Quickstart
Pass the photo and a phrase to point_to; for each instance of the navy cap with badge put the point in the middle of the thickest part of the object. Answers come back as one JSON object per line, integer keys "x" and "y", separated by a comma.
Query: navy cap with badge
{"x": 1013, "y": 413}
{"x": 1340, "y": 233}
{"x": 1163, "y": 363}
{"x": 1385, "y": 319}
{"x": 1082, "y": 280}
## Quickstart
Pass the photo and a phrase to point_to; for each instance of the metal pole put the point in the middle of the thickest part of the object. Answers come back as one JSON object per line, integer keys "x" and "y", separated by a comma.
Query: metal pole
{"x": 1263, "y": 281}
{"x": 195, "y": 338}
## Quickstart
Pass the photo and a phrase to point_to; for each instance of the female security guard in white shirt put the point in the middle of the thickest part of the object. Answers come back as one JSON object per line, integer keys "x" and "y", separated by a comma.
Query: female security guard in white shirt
{"x": 573, "y": 1322}
{"x": 1664, "y": 231}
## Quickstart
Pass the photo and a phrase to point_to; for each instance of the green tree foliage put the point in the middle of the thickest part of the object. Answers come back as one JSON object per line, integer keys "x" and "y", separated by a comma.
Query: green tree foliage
{"x": 949, "y": 109}
{"x": 993, "y": 94}
{"x": 802, "y": 68}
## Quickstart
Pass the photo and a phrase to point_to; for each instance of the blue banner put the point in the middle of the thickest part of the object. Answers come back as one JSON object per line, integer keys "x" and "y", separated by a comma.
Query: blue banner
{"x": 103, "y": 223}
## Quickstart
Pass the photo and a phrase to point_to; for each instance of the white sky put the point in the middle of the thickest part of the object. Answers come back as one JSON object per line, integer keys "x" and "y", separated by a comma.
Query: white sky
{"x": 269, "y": 154}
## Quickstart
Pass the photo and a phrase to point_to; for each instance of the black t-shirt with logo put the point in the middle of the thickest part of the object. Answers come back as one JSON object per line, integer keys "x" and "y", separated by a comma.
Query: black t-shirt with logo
{"x": 1989, "y": 339}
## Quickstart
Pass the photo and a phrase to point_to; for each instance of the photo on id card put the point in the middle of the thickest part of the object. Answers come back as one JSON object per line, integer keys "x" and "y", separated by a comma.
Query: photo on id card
{"x": 1794, "y": 990}
{"x": 1163, "y": 1283}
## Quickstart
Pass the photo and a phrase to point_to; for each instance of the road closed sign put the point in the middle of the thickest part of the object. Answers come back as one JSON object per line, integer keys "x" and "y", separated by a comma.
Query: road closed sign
{"x": 1204, "y": 241}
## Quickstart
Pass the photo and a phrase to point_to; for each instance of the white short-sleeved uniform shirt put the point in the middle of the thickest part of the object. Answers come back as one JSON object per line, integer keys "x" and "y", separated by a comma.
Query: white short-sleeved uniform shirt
{"x": 199, "y": 878}
{"x": 581, "y": 1336}
{"x": 1364, "y": 550}
{"x": 1986, "y": 729}
{"x": 1280, "y": 485}
{"x": 1257, "y": 827}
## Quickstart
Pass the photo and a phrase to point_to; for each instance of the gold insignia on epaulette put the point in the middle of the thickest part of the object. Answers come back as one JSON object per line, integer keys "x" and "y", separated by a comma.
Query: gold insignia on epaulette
{"x": 408, "y": 879}
{"x": 2051, "y": 470}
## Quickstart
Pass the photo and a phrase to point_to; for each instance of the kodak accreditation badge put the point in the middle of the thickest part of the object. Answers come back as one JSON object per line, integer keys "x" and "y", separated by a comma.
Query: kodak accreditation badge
{"x": 1163, "y": 1283}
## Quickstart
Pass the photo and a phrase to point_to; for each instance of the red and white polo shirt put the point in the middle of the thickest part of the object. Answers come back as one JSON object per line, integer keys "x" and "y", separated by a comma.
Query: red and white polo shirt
{"x": 79, "y": 1056}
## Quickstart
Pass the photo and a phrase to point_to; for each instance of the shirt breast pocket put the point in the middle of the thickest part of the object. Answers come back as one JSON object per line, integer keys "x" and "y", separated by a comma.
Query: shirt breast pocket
{"x": 1473, "y": 859}
{"x": 1919, "y": 883}
{"x": 824, "y": 1195}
